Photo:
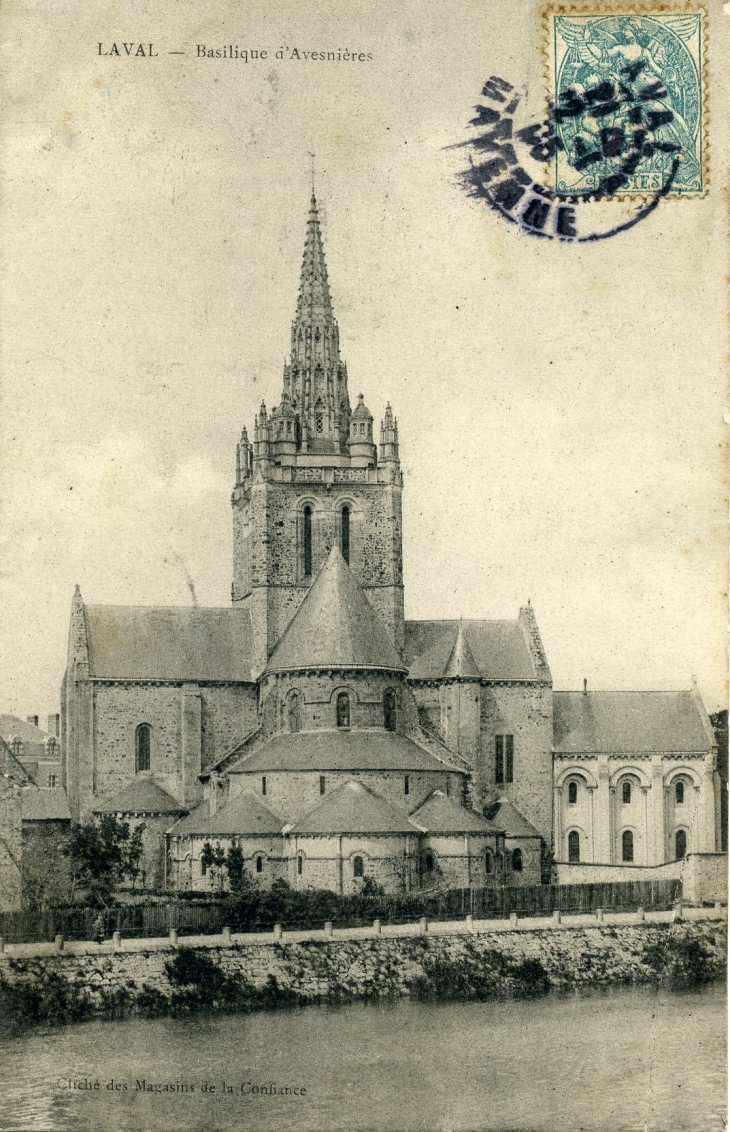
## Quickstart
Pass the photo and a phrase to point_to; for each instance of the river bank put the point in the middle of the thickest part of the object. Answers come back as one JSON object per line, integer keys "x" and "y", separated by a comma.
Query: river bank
{"x": 245, "y": 976}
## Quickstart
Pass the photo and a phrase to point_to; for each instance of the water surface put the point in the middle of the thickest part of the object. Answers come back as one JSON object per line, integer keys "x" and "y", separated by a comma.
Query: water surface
{"x": 619, "y": 1060}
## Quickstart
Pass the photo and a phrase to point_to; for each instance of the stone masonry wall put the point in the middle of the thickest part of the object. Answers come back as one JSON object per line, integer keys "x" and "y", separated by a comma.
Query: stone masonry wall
{"x": 313, "y": 970}
{"x": 525, "y": 711}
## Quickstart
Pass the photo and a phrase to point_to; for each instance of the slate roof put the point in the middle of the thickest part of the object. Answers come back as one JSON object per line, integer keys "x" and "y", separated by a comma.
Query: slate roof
{"x": 168, "y": 643}
{"x": 33, "y": 739}
{"x": 628, "y": 722}
{"x": 42, "y": 804}
{"x": 498, "y": 649}
{"x": 508, "y": 818}
{"x": 341, "y": 750}
{"x": 242, "y": 816}
{"x": 353, "y": 808}
{"x": 334, "y": 627}
{"x": 140, "y": 796}
{"x": 441, "y": 814}
{"x": 10, "y": 768}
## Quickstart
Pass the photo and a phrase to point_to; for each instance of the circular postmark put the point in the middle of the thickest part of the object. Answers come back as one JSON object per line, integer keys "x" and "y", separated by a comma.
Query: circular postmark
{"x": 615, "y": 131}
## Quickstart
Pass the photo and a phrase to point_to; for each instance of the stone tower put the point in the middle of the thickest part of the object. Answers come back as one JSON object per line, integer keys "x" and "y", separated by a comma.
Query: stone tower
{"x": 314, "y": 478}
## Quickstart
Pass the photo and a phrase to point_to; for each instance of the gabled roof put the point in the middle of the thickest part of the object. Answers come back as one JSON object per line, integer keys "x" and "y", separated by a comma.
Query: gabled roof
{"x": 140, "y": 796}
{"x": 244, "y": 815}
{"x": 508, "y": 818}
{"x": 354, "y": 751}
{"x": 441, "y": 814}
{"x": 334, "y": 627}
{"x": 499, "y": 649}
{"x": 355, "y": 809}
{"x": 10, "y": 769}
{"x": 42, "y": 804}
{"x": 168, "y": 643}
{"x": 626, "y": 722}
{"x": 11, "y": 725}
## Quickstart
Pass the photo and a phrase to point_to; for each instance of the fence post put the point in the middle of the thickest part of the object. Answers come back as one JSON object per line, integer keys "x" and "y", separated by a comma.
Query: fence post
{"x": 226, "y": 933}
{"x": 377, "y": 927}
{"x": 328, "y": 928}
{"x": 59, "y": 941}
{"x": 599, "y": 915}
{"x": 172, "y": 936}
{"x": 277, "y": 931}
{"x": 470, "y": 923}
{"x": 640, "y": 917}
{"x": 678, "y": 914}
{"x": 2, "y": 944}
{"x": 513, "y": 919}
{"x": 557, "y": 916}
{"x": 423, "y": 925}
{"x": 116, "y": 940}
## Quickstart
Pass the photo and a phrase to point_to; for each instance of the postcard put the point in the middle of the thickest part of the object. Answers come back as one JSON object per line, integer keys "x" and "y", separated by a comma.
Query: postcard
{"x": 363, "y": 697}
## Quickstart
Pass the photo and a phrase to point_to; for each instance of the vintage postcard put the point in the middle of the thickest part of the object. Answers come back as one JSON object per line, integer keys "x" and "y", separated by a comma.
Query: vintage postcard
{"x": 363, "y": 696}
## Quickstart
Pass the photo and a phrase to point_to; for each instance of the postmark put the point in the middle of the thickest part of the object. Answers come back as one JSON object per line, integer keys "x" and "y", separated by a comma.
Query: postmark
{"x": 628, "y": 91}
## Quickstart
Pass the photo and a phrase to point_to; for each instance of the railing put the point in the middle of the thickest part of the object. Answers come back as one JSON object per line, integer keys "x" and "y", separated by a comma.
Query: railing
{"x": 187, "y": 918}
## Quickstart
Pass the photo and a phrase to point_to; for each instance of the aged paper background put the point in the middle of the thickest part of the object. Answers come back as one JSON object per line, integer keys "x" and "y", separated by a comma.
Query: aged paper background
{"x": 561, "y": 407}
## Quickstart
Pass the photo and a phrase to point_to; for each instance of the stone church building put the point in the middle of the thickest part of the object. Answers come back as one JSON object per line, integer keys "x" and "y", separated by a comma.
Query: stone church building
{"x": 331, "y": 739}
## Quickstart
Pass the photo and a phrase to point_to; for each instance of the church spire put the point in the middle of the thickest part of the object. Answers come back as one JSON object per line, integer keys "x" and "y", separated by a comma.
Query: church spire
{"x": 315, "y": 379}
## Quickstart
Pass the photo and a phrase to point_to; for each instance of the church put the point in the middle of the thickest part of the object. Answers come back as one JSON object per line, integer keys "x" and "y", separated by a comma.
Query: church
{"x": 312, "y": 725}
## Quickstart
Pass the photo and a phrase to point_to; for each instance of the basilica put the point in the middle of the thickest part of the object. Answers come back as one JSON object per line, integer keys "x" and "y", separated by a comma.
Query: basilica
{"x": 312, "y": 725}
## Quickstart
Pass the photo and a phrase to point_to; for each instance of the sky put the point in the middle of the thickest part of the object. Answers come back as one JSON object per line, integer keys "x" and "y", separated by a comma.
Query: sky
{"x": 560, "y": 407}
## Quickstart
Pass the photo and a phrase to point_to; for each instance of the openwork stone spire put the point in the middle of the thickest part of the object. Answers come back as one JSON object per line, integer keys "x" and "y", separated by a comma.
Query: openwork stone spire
{"x": 315, "y": 379}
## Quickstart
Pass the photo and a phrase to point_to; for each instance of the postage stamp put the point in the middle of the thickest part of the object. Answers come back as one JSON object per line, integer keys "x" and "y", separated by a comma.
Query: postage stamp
{"x": 627, "y": 92}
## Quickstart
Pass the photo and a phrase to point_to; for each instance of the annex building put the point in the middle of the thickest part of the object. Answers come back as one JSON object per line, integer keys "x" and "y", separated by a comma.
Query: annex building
{"x": 330, "y": 738}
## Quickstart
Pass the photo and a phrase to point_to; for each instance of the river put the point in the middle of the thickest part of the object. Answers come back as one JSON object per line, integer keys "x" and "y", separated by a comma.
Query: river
{"x": 615, "y": 1060}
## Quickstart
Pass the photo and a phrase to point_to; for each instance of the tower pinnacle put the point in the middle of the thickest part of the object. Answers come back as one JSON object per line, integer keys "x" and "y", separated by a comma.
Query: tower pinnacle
{"x": 315, "y": 379}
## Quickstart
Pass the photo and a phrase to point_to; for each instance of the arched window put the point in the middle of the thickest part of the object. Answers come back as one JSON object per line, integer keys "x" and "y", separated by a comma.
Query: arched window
{"x": 300, "y": 866}
{"x": 357, "y": 867}
{"x": 406, "y": 783}
{"x": 428, "y": 862}
{"x": 627, "y": 845}
{"x": 572, "y": 793}
{"x": 517, "y": 860}
{"x": 343, "y": 709}
{"x": 322, "y": 784}
{"x": 680, "y": 844}
{"x": 487, "y": 862}
{"x": 307, "y": 543}
{"x": 263, "y": 784}
{"x": 389, "y": 719}
{"x": 259, "y": 864}
{"x": 295, "y": 712}
{"x": 679, "y": 794}
{"x": 626, "y": 792}
{"x": 574, "y": 847}
{"x": 142, "y": 747}
{"x": 345, "y": 534}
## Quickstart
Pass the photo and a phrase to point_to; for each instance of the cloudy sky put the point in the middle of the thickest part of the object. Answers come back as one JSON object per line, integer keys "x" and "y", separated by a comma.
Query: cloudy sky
{"x": 560, "y": 407}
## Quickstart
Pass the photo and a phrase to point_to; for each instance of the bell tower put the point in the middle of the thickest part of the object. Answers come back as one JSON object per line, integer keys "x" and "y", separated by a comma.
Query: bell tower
{"x": 314, "y": 478}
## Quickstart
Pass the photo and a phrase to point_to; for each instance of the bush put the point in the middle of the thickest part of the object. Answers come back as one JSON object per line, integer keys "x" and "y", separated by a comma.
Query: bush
{"x": 52, "y": 1001}
{"x": 681, "y": 961}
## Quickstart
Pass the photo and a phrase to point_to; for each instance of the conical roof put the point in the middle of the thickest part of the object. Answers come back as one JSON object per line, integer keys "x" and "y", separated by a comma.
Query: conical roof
{"x": 461, "y": 661}
{"x": 334, "y": 627}
{"x": 314, "y": 302}
{"x": 355, "y": 809}
{"x": 440, "y": 814}
{"x": 244, "y": 815}
{"x": 140, "y": 796}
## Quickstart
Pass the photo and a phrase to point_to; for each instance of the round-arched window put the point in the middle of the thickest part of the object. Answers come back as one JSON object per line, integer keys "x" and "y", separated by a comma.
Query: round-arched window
{"x": 487, "y": 862}
{"x": 574, "y": 847}
{"x": 428, "y": 861}
{"x": 680, "y": 844}
{"x": 142, "y": 747}
{"x": 517, "y": 860}
{"x": 389, "y": 710}
{"x": 627, "y": 845}
{"x": 307, "y": 543}
{"x": 357, "y": 867}
{"x": 343, "y": 709}
{"x": 295, "y": 711}
{"x": 345, "y": 534}
{"x": 626, "y": 792}
{"x": 572, "y": 793}
{"x": 679, "y": 794}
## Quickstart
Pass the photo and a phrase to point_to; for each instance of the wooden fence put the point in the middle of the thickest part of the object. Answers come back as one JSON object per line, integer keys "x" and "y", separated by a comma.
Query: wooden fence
{"x": 155, "y": 920}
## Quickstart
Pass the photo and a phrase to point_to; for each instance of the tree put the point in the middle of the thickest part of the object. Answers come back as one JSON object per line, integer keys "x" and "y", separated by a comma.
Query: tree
{"x": 102, "y": 854}
{"x": 213, "y": 862}
{"x": 234, "y": 867}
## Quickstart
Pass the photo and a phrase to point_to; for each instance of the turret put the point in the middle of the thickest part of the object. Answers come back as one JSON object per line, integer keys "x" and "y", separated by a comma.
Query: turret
{"x": 389, "y": 438}
{"x": 243, "y": 458}
{"x": 362, "y": 448}
{"x": 261, "y": 438}
{"x": 283, "y": 429}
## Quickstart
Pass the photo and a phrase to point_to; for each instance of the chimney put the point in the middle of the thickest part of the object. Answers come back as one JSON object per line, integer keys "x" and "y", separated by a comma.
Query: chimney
{"x": 585, "y": 687}
{"x": 54, "y": 724}
{"x": 32, "y": 719}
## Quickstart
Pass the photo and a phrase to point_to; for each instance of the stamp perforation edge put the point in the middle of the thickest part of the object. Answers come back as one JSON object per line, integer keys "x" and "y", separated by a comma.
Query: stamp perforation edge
{"x": 642, "y": 8}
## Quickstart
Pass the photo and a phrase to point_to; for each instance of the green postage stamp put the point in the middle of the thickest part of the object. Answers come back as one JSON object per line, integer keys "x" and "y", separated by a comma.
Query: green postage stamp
{"x": 627, "y": 92}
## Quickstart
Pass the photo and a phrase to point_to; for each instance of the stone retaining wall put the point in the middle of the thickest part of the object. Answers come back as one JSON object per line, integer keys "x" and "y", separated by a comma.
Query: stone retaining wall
{"x": 332, "y": 969}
